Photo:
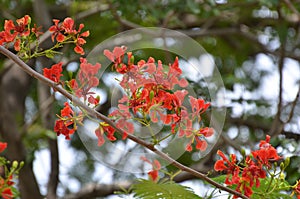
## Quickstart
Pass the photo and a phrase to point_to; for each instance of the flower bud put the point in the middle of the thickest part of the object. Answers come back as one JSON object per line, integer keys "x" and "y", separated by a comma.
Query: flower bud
{"x": 286, "y": 162}
{"x": 282, "y": 166}
{"x": 282, "y": 177}
{"x": 15, "y": 165}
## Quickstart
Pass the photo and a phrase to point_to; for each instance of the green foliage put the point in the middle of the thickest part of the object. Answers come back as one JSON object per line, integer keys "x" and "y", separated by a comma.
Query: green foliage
{"x": 275, "y": 189}
{"x": 271, "y": 190}
{"x": 146, "y": 189}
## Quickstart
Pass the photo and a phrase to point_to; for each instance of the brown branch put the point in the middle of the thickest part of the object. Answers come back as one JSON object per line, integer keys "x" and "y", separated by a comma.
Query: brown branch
{"x": 98, "y": 9}
{"x": 98, "y": 115}
{"x": 253, "y": 124}
{"x": 294, "y": 103}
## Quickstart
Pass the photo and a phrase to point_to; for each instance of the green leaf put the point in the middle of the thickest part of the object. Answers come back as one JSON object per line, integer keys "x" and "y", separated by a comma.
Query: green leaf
{"x": 146, "y": 189}
{"x": 49, "y": 54}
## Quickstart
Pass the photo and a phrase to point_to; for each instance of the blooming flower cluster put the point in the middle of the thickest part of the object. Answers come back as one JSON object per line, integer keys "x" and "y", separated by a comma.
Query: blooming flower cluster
{"x": 246, "y": 175}
{"x": 16, "y": 32}
{"x": 152, "y": 92}
{"x": 66, "y": 31}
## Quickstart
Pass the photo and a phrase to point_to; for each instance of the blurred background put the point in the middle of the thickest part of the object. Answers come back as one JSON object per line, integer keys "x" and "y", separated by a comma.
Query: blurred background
{"x": 255, "y": 47}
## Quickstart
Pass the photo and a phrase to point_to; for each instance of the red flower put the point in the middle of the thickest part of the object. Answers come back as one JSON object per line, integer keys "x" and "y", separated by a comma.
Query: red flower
{"x": 66, "y": 125}
{"x": 230, "y": 167}
{"x": 54, "y": 73}
{"x": 266, "y": 152}
{"x": 69, "y": 26}
{"x": 206, "y": 132}
{"x": 22, "y": 28}
{"x": 101, "y": 130}
{"x": 12, "y": 31}
{"x": 57, "y": 31}
{"x": 80, "y": 41}
{"x": 198, "y": 106}
{"x": 126, "y": 126}
{"x": 7, "y": 193}
{"x": 153, "y": 174}
{"x": 117, "y": 58}
{"x": 201, "y": 143}
{"x": 253, "y": 172}
{"x": 36, "y": 30}
{"x": 243, "y": 186}
{"x": 297, "y": 189}
{"x": 3, "y": 146}
{"x": 93, "y": 100}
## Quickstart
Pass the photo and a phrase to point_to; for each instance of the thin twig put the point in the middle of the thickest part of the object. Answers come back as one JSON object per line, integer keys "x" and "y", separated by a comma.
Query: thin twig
{"x": 292, "y": 8}
{"x": 294, "y": 103}
{"x": 98, "y": 115}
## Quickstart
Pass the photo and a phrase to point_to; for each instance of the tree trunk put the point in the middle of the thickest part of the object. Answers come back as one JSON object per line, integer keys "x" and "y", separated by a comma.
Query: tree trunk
{"x": 13, "y": 91}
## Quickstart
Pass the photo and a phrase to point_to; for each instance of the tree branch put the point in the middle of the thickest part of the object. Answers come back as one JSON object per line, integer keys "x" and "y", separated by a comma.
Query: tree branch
{"x": 98, "y": 115}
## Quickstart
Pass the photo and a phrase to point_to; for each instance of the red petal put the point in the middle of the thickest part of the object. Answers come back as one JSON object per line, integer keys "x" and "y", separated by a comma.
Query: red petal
{"x": 220, "y": 166}
{"x": 109, "y": 55}
{"x": 79, "y": 50}
{"x": 3, "y": 146}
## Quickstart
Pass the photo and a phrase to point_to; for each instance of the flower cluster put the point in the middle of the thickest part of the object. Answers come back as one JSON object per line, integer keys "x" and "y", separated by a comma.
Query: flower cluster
{"x": 152, "y": 92}
{"x": 66, "y": 31}
{"x": 87, "y": 80}
{"x": 68, "y": 120}
{"x": 54, "y": 73}
{"x": 248, "y": 174}
{"x": 17, "y": 32}
{"x": 22, "y": 34}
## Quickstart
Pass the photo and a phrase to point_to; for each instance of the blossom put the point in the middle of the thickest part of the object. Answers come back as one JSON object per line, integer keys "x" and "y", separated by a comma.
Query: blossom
{"x": 66, "y": 125}
{"x": 7, "y": 193}
{"x": 198, "y": 137}
{"x": 266, "y": 152}
{"x": 253, "y": 172}
{"x": 79, "y": 41}
{"x": 68, "y": 26}
{"x": 57, "y": 31}
{"x": 198, "y": 106}
{"x": 36, "y": 30}
{"x": 101, "y": 130}
{"x": 116, "y": 56}
{"x": 229, "y": 166}
{"x": 153, "y": 174}
{"x": 54, "y": 73}
{"x": 297, "y": 189}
